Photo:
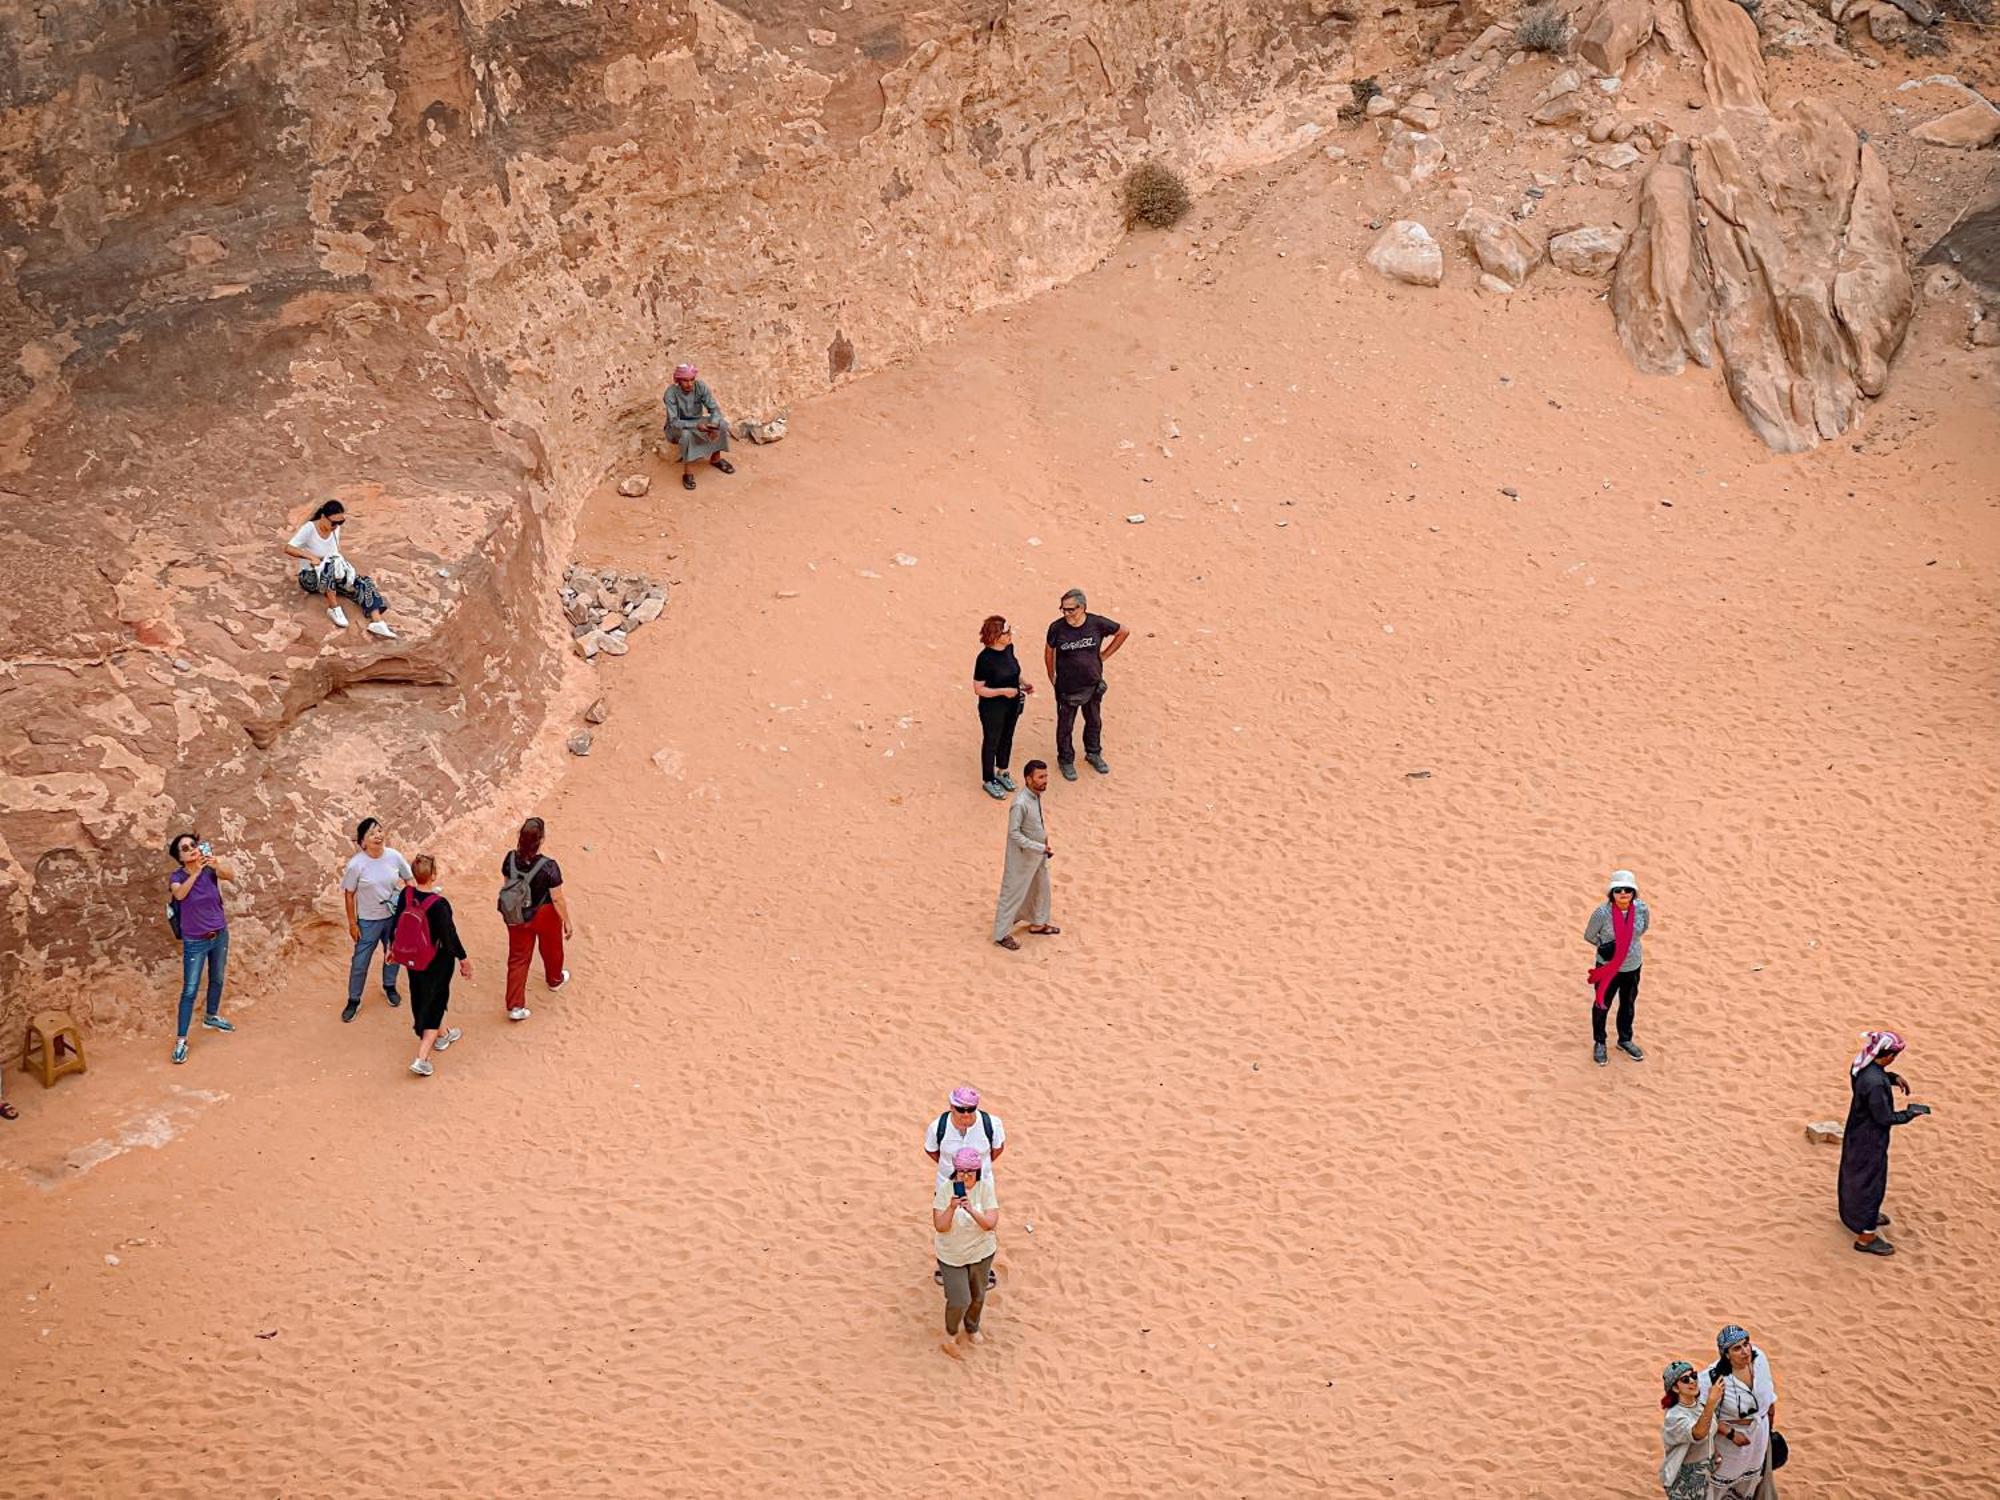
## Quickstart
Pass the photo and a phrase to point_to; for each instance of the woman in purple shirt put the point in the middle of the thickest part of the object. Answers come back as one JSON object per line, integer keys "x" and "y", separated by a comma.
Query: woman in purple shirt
{"x": 196, "y": 907}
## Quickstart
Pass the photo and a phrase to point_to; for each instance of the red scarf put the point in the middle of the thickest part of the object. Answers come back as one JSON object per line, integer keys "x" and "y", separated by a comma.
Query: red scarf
{"x": 1622, "y": 925}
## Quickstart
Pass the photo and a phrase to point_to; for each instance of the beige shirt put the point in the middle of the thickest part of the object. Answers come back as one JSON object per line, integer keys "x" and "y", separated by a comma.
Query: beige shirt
{"x": 965, "y": 1242}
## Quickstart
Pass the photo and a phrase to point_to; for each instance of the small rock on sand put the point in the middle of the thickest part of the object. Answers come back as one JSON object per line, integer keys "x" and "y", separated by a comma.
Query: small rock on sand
{"x": 579, "y": 743}
{"x": 1825, "y": 1132}
{"x": 597, "y": 713}
{"x": 1405, "y": 252}
{"x": 634, "y": 485}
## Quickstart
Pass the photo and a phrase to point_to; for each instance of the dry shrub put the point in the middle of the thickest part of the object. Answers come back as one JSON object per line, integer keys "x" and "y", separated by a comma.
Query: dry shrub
{"x": 1155, "y": 195}
{"x": 1543, "y": 28}
{"x": 1976, "y": 12}
{"x": 1918, "y": 42}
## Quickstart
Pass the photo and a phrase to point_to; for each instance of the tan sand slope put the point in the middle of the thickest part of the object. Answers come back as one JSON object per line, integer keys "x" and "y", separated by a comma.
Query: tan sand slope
{"x": 1327, "y": 1196}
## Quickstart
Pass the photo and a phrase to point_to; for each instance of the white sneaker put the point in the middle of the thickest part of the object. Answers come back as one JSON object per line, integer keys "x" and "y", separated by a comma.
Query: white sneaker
{"x": 561, "y": 982}
{"x": 338, "y": 616}
{"x": 446, "y": 1039}
{"x": 381, "y": 628}
{"x": 519, "y": 1013}
{"x": 421, "y": 1068}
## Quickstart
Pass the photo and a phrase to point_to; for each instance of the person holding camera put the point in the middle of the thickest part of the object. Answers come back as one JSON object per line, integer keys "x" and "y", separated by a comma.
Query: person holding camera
{"x": 1615, "y": 928}
{"x": 695, "y": 424}
{"x": 1864, "y": 1144}
{"x": 964, "y": 1217}
{"x": 194, "y": 897}
{"x": 1688, "y": 1432}
{"x": 1078, "y": 645}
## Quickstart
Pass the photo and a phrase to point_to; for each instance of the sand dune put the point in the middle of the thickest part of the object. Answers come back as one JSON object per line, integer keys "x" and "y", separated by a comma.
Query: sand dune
{"x": 1327, "y": 1195}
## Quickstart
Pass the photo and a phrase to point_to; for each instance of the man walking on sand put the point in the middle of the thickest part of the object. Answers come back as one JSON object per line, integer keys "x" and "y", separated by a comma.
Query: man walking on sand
{"x": 1024, "y": 886}
{"x": 1078, "y": 645}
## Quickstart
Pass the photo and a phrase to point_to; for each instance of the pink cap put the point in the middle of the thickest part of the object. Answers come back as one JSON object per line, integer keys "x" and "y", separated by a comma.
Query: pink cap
{"x": 685, "y": 372}
{"x": 965, "y": 1096}
{"x": 965, "y": 1159}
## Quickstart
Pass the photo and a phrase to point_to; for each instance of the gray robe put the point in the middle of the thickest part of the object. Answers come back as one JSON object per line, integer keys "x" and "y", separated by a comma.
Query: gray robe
{"x": 687, "y": 410}
{"x": 1024, "y": 887}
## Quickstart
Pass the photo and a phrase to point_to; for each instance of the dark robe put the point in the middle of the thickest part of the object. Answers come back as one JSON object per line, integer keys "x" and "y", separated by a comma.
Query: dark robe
{"x": 1864, "y": 1148}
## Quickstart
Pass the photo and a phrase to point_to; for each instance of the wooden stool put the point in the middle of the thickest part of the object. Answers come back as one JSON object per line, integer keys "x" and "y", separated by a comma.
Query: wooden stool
{"x": 60, "y": 1044}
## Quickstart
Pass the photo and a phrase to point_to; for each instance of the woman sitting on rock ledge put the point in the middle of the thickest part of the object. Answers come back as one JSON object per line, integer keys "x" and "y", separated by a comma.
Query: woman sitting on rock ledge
{"x": 695, "y": 424}
{"x": 324, "y": 573}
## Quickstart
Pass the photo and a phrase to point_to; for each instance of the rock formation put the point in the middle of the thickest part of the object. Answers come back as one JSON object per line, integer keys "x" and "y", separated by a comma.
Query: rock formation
{"x": 1768, "y": 242}
{"x": 434, "y": 256}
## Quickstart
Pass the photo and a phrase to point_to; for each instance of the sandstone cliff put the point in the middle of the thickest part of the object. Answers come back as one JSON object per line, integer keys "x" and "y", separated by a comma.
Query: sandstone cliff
{"x": 433, "y": 256}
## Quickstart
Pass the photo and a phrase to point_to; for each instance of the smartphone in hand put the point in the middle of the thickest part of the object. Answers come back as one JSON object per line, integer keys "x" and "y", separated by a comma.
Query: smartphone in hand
{"x": 958, "y": 1190}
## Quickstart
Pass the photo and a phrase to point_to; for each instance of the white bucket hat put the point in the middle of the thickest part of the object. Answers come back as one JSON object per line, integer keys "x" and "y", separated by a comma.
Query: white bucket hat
{"x": 1621, "y": 880}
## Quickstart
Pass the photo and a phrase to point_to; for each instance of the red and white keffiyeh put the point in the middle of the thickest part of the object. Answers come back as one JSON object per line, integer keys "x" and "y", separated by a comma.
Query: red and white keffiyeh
{"x": 1873, "y": 1045}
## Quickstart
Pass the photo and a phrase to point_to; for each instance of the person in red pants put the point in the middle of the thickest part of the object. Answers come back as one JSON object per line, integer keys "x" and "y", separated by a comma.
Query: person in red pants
{"x": 537, "y": 916}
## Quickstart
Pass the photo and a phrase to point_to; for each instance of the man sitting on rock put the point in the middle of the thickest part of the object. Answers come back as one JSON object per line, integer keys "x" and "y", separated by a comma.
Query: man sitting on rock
{"x": 695, "y": 424}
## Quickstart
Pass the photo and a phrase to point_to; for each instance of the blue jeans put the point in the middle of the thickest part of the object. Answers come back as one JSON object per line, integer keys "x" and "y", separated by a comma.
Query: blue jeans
{"x": 213, "y": 951}
{"x": 375, "y": 933}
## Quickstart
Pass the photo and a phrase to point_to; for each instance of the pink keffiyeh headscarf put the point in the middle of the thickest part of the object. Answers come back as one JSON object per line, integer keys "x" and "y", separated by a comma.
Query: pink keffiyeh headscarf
{"x": 685, "y": 372}
{"x": 1873, "y": 1045}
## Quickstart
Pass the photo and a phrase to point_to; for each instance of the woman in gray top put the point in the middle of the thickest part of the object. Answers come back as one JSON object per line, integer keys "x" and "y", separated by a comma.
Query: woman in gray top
{"x": 695, "y": 424}
{"x": 1615, "y": 929}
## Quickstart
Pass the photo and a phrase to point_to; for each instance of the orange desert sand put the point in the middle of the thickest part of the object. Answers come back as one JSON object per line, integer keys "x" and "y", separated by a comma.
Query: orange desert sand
{"x": 1326, "y": 1195}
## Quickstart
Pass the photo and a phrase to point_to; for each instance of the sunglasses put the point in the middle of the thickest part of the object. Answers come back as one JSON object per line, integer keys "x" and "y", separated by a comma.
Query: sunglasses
{"x": 965, "y": 1109}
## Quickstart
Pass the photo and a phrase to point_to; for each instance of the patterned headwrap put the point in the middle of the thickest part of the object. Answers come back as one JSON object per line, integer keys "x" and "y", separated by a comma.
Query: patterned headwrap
{"x": 1729, "y": 1338}
{"x": 1873, "y": 1045}
{"x": 685, "y": 372}
{"x": 965, "y": 1096}
{"x": 1671, "y": 1377}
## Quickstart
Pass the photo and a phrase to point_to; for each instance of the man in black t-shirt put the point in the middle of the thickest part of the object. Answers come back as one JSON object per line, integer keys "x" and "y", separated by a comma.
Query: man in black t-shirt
{"x": 1078, "y": 643}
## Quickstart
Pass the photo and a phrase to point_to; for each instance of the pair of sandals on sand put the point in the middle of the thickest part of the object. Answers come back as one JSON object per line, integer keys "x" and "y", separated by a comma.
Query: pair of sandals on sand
{"x": 1012, "y": 944}
{"x": 718, "y": 462}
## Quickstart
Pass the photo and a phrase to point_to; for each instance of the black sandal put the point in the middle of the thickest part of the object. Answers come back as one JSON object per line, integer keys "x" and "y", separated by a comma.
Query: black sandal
{"x": 723, "y": 464}
{"x": 8, "y": 1112}
{"x": 687, "y": 481}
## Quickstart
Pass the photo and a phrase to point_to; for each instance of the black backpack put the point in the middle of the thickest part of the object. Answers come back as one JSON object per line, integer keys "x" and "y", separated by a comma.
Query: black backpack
{"x": 985, "y": 1123}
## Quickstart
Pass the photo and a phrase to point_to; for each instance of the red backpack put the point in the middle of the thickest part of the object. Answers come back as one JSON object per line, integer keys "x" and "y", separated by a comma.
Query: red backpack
{"x": 412, "y": 946}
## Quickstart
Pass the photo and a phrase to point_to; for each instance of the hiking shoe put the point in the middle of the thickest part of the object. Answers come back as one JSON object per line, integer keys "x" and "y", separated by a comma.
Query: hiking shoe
{"x": 381, "y": 628}
{"x": 338, "y": 616}
{"x": 1598, "y": 1055}
{"x": 994, "y": 790}
{"x": 1099, "y": 764}
{"x": 421, "y": 1068}
{"x": 216, "y": 1023}
{"x": 352, "y": 1010}
{"x": 393, "y": 998}
{"x": 1631, "y": 1049}
{"x": 1068, "y": 769}
{"x": 445, "y": 1039}
{"x": 519, "y": 1013}
{"x": 1005, "y": 780}
{"x": 1876, "y": 1246}
{"x": 181, "y": 1050}
{"x": 561, "y": 982}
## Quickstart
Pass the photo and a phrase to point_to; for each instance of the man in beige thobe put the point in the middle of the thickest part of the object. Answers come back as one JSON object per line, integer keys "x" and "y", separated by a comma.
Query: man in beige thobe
{"x": 1024, "y": 888}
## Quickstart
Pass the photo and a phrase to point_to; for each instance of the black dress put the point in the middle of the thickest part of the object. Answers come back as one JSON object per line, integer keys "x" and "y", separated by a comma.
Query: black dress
{"x": 430, "y": 987}
{"x": 1864, "y": 1148}
{"x": 997, "y": 716}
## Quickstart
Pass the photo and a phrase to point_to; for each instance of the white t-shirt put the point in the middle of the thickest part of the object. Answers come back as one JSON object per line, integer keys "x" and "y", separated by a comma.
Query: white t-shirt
{"x": 954, "y": 1138}
{"x": 373, "y": 882}
{"x": 965, "y": 1242}
{"x": 308, "y": 539}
